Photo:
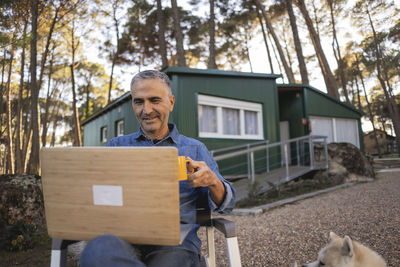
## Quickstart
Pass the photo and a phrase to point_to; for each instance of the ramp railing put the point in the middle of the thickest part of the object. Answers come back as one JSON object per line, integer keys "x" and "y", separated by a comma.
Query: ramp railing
{"x": 287, "y": 159}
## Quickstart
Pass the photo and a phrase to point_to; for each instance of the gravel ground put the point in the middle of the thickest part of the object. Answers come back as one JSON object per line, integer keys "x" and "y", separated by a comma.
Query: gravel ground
{"x": 367, "y": 212}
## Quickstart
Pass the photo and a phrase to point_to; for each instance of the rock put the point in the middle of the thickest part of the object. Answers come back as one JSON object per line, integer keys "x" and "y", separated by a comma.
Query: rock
{"x": 352, "y": 158}
{"x": 346, "y": 163}
{"x": 21, "y": 198}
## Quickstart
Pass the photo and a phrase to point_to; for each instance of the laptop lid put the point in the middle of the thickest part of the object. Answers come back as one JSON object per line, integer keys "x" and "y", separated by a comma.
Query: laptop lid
{"x": 132, "y": 192}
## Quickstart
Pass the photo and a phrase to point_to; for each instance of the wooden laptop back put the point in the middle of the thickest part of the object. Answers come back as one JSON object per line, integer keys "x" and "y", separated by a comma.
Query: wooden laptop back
{"x": 147, "y": 178}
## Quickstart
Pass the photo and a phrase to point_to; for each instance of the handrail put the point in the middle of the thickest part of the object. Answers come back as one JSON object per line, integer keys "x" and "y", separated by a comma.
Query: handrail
{"x": 237, "y": 147}
{"x": 248, "y": 150}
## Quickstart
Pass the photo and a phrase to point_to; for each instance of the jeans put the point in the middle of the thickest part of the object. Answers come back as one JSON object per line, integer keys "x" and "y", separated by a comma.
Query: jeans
{"x": 109, "y": 250}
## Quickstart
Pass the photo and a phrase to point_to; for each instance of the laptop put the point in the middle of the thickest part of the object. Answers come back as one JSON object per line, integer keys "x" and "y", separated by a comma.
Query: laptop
{"x": 131, "y": 192}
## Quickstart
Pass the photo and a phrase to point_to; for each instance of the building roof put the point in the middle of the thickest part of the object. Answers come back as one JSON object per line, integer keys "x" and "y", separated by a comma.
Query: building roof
{"x": 299, "y": 87}
{"x": 216, "y": 72}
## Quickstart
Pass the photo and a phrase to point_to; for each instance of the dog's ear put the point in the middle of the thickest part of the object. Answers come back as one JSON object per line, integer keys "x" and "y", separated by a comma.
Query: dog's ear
{"x": 333, "y": 236}
{"x": 347, "y": 248}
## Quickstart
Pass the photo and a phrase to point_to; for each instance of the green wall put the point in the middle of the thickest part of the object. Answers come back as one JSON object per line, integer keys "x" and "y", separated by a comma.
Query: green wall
{"x": 91, "y": 136}
{"x": 324, "y": 105}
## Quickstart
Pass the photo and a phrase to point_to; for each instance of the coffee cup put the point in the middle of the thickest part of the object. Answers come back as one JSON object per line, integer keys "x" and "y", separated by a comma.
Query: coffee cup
{"x": 182, "y": 168}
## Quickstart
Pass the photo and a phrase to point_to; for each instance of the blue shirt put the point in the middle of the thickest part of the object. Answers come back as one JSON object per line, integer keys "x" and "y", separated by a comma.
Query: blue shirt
{"x": 196, "y": 150}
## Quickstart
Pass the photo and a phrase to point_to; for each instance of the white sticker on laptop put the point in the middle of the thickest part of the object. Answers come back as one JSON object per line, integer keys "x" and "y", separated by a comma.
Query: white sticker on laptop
{"x": 107, "y": 195}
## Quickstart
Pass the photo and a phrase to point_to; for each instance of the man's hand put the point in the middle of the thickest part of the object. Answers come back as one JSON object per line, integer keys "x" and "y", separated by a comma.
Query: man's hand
{"x": 203, "y": 176}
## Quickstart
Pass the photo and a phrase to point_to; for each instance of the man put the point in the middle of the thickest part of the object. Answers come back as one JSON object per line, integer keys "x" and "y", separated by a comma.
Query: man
{"x": 152, "y": 101}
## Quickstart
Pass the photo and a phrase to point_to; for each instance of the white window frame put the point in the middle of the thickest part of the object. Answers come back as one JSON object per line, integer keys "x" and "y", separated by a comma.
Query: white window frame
{"x": 242, "y": 106}
{"x": 103, "y": 133}
{"x": 118, "y": 127}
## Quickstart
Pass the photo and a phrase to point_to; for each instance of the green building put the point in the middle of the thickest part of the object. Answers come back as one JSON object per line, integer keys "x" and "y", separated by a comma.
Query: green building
{"x": 305, "y": 110}
{"x": 227, "y": 108}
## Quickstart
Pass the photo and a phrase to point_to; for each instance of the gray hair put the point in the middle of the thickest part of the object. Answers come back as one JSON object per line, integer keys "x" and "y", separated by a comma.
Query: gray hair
{"x": 152, "y": 74}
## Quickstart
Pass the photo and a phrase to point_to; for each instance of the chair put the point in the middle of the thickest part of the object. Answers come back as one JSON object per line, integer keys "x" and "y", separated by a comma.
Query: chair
{"x": 226, "y": 227}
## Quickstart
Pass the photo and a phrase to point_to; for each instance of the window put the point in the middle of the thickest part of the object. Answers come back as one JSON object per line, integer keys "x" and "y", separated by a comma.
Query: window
{"x": 336, "y": 129}
{"x": 226, "y": 118}
{"x": 210, "y": 125}
{"x": 103, "y": 134}
{"x": 119, "y": 128}
{"x": 250, "y": 119}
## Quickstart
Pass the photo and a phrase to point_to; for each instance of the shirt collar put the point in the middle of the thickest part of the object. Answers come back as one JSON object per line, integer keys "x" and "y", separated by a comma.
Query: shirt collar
{"x": 173, "y": 134}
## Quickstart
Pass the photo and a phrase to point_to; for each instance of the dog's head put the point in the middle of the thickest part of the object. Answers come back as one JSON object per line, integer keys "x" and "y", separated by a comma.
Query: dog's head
{"x": 338, "y": 253}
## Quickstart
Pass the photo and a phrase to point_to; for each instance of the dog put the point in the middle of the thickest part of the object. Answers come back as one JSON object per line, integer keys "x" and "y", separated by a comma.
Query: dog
{"x": 344, "y": 252}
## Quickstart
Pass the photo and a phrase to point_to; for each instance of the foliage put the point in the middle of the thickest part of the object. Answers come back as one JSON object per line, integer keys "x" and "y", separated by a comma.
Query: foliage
{"x": 234, "y": 33}
{"x": 19, "y": 235}
{"x": 139, "y": 43}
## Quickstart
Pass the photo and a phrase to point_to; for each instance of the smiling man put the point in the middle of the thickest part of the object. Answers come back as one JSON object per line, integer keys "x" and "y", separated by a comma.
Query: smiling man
{"x": 152, "y": 102}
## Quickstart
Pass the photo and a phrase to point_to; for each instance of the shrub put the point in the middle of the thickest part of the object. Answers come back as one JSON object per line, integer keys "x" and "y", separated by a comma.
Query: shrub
{"x": 19, "y": 235}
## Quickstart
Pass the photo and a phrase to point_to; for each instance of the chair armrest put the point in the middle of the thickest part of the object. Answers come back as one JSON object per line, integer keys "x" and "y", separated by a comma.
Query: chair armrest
{"x": 225, "y": 226}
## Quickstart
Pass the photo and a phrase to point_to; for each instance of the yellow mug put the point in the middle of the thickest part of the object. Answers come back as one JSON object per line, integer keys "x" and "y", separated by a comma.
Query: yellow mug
{"x": 182, "y": 168}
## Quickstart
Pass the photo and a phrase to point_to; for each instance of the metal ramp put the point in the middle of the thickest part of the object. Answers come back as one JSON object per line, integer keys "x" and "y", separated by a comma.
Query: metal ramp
{"x": 270, "y": 165}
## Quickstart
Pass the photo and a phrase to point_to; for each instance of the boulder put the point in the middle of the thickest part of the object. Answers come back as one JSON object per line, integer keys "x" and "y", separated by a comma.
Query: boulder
{"x": 21, "y": 198}
{"x": 346, "y": 163}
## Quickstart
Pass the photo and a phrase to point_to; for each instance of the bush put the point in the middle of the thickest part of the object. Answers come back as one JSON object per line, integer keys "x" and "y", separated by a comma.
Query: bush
{"x": 19, "y": 235}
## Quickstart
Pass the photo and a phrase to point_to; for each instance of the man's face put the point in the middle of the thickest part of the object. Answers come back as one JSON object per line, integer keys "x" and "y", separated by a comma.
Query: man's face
{"x": 152, "y": 103}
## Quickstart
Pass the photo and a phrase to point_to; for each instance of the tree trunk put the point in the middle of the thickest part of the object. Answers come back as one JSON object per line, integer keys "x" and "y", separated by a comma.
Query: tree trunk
{"x": 265, "y": 40}
{"x": 178, "y": 35}
{"x": 316, "y": 21}
{"x": 161, "y": 35}
{"x": 329, "y": 79}
{"x": 48, "y": 41}
{"x": 358, "y": 95}
{"x": 115, "y": 54}
{"x": 55, "y": 114}
{"x": 371, "y": 116}
{"x": 276, "y": 40}
{"x": 289, "y": 58}
{"x": 76, "y": 123}
{"x": 34, "y": 156}
{"x": 87, "y": 101}
{"x": 275, "y": 55}
{"x": 49, "y": 97}
{"x": 75, "y": 116}
{"x": 392, "y": 105}
{"x": 27, "y": 149}
{"x": 27, "y": 133}
{"x": 247, "y": 49}
{"x": 111, "y": 81}
{"x": 18, "y": 142}
{"x": 3, "y": 69}
{"x": 336, "y": 52}
{"x": 211, "y": 60}
{"x": 297, "y": 43}
{"x": 10, "y": 155}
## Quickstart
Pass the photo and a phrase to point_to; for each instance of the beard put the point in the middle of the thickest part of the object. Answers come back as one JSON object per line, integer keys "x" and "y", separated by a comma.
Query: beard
{"x": 151, "y": 123}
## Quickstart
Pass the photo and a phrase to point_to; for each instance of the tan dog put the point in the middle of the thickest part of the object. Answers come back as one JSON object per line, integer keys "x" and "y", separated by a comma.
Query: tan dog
{"x": 343, "y": 252}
